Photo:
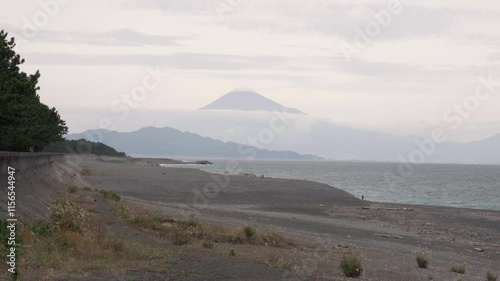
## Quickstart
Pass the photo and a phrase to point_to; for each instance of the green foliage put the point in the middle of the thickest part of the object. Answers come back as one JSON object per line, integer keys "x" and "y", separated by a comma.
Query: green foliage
{"x": 83, "y": 146}
{"x": 41, "y": 227}
{"x": 351, "y": 266}
{"x": 110, "y": 195}
{"x": 183, "y": 224}
{"x": 232, "y": 253}
{"x": 249, "y": 231}
{"x": 24, "y": 121}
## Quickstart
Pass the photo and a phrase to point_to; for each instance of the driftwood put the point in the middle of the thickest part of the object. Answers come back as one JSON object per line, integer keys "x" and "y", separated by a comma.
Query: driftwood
{"x": 387, "y": 209}
{"x": 389, "y": 236}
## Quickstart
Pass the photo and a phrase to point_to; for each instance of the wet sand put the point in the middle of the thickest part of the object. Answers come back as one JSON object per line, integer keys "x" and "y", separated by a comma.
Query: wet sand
{"x": 319, "y": 215}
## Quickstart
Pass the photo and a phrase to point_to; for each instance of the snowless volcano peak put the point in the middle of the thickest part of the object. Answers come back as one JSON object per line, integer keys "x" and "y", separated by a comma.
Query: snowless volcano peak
{"x": 246, "y": 99}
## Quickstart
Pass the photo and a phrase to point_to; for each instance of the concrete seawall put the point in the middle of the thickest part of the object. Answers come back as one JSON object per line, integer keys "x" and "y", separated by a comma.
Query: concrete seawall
{"x": 26, "y": 160}
{"x": 39, "y": 179}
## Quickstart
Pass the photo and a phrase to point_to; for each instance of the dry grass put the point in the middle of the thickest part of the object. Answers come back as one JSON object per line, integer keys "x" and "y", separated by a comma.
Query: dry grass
{"x": 422, "y": 257}
{"x": 73, "y": 240}
{"x": 281, "y": 262}
{"x": 73, "y": 189}
{"x": 351, "y": 265}
{"x": 185, "y": 231}
{"x": 85, "y": 172}
{"x": 458, "y": 269}
{"x": 491, "y": 277}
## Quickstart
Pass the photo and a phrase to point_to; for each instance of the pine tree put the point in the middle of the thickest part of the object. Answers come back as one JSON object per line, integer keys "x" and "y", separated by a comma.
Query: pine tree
{"x": 24, "y": 121}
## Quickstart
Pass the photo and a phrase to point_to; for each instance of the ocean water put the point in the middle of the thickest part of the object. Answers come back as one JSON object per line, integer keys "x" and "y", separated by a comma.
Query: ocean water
{"x": 467, "y": 186}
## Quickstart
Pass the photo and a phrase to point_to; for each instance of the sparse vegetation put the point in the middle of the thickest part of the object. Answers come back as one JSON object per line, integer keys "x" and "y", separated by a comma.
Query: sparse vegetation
{"x": 249, "y": 232}
{"x": 232, "y": 253}
{"x": 110, "y": 195}
{"x": 73, "y": 189}
{"x": 74, "y": 240}
{"x": 458, "y": 269}
{"x": 281, "y": 262}
{"x": 491, "y": 277}
{"x": 41, "y": 227}
{"x": 181, "y": 238}
{"x": 87, "y": 188}
{"x": 66, "y": 215}
{"x": 422, "y": 260}
{"x": 85, "y": 172}
{"x": 185, "y": 231}
{"x": 351, "y": 265}
{"x": 207, "y": 244}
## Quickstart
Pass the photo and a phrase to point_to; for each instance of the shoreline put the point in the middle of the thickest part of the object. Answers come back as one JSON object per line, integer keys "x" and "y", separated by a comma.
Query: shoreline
{"x": 192, "y": 166}
{"x": 316, "y": 213}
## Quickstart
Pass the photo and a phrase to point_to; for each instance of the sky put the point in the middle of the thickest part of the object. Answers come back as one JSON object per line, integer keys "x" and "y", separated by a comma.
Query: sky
{"x": 402, "y": 67}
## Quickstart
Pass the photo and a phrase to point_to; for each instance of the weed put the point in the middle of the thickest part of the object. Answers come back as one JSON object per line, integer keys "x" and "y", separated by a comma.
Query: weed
{"x": 181, "y": 238}
{"x": 249, "y": 231}
{"x": 351, "y": 266}
{"x": 85, "y": 172}
{"x": 281, "y": 263}
{"x": 491, "y": 277}
{"x": 207, "y": 244}
{"x": 66, "y": 215}
{"x": 232, "y": 253}
{"x": 458, "y": 269}
{"x": 41, "y": 227}
{"x": 422, "y": 258}
{"x": 110, "y": 195}
{"x": 73, "y": 189}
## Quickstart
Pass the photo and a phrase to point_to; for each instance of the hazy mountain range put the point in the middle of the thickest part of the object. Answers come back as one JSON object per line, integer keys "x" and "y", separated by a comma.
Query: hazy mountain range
{"x": 246, "y": 117}
{"x": 170, "y": 142}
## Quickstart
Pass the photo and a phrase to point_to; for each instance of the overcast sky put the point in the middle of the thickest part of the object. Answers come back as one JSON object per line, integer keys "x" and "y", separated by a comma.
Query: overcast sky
{"x": 419, "y": 60}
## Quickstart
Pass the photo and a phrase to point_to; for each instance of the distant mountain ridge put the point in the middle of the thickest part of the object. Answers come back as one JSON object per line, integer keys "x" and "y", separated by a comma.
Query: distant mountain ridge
{"x": 174, "y": 143}
{"x": 248, "y": 100}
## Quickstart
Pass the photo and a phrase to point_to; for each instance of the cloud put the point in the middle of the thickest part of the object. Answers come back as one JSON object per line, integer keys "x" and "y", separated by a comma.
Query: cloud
{"x": 116, "y": 37}
{"x": 178, "y": 60}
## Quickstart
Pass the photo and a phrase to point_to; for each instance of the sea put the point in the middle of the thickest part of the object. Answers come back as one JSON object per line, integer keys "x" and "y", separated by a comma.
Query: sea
{"x": 452, "y": 185}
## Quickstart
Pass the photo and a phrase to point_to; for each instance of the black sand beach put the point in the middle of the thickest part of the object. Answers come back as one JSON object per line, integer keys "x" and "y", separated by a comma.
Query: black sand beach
{"x": 320, "y": 216}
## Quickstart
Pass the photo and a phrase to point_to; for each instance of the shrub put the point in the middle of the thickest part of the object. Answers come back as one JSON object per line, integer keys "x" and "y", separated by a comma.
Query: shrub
{"x": 66, "y": 215}
{"x": 73, "y": 189}
{"x": 232, "y": 253}
{"x": 458, "y": 269}
{"x": 422, "y": 261}
{"x": 187, "y": 223}
{"x": 207, "y": 244}
{"x": 249, "y": 231}
{"x": 85, "y": 172}
{"x": 41, "y": 227}
{"x": 110, "y": 195}
{"x": 491, "y": 277}
{"x": 281, "y": 263}
{"x": 181, "y": 238}
{"x": 351, "y": 266}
